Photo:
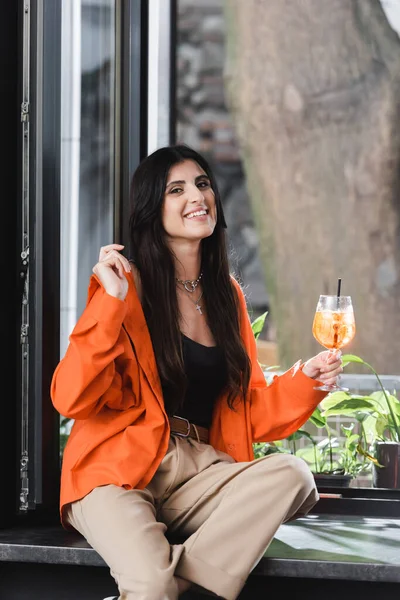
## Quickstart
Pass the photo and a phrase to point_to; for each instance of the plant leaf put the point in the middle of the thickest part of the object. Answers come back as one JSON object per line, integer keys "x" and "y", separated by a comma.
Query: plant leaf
{"x": 381, "y": 405}
{"x": 367, "y": 455}
{"x": 369, "y": 426}
{"x": 300, "y": 433}
{"x": 348, "y": 358}
{"x": 333, "y": 398}
{"x": 308, "y": 454}
{"x": 349, "y": 407}
{"x": 258, "y": 324}
{"x": 348, "y": 428}
{"x": 317, "y": 419}
{"x": 327, "y": 443}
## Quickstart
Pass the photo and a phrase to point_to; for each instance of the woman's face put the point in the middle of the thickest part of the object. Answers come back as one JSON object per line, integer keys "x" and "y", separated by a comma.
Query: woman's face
{"x": 189, "y": 210}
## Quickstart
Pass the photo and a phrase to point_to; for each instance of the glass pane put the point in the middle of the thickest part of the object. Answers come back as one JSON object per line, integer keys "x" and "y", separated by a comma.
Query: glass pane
{"x": 208, "y": 45}
{"x": 87, "y": 152}
{"x": 87, "y": 147}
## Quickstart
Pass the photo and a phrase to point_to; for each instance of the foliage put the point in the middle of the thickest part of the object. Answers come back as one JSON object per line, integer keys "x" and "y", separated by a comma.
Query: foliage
{"x": 258, "y": 325}
{"x": 379, "y": 412}
{"x": 65, "y": 428}
{"x": 329, "y": 455}
{"x": 266, "y": 448}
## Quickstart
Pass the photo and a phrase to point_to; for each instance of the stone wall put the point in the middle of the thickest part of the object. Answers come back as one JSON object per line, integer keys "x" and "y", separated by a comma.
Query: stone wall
{"x": 204, "y": 123}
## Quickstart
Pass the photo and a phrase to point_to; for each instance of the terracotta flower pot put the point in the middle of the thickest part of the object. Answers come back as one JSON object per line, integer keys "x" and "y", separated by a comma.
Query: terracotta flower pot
{"x": 387, "y": 455}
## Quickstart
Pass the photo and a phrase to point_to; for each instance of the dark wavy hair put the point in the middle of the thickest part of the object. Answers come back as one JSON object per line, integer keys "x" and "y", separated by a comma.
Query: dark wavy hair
{"x": 154, "y": 260}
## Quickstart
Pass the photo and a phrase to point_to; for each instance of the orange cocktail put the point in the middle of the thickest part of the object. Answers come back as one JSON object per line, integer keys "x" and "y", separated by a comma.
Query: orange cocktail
{"x": 334, "y": 326}
{"x": 334, "y": 329}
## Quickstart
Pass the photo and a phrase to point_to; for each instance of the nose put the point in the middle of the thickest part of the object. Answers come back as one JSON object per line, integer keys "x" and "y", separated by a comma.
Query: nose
{"x": 195, "y": 195}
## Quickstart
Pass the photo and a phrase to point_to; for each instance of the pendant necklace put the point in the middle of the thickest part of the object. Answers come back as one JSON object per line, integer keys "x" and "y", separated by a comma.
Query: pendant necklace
{"x": 190, "y": 284}
{"x": 197, "y": 302}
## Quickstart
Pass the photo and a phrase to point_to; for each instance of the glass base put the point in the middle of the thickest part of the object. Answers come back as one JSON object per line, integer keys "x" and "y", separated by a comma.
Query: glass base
{"x": 331, "y": 388}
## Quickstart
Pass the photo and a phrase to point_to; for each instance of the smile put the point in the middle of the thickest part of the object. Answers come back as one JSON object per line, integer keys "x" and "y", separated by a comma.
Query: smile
{"x": 197, "y": 213}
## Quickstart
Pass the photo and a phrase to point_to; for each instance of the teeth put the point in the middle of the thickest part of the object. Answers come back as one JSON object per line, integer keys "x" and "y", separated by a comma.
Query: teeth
{"x": 198, "y": 213}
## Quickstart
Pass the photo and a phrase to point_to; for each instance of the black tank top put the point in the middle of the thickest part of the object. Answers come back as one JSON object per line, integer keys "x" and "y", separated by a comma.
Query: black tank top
{"x": 206, "y": 372}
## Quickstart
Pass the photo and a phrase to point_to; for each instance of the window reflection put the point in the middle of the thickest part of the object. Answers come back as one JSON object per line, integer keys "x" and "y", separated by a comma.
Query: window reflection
{"x": 87, "y": 147}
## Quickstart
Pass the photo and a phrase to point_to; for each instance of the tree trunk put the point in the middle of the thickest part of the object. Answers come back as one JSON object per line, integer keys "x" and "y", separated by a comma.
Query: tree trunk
{"x": 314, "y": 89}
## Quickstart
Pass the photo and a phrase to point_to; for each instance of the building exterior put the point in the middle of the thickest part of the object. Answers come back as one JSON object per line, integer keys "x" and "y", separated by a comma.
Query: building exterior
{"x": 90, "y": 87}
{"x": 89, "y": 92}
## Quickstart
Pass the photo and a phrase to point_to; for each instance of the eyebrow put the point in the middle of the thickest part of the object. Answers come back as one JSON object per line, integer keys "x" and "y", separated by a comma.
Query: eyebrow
{"x": 182, "y": 181}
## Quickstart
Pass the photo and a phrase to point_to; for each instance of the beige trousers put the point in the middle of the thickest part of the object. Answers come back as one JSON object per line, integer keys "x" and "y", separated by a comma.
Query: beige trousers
{"x": 203, "y": 517}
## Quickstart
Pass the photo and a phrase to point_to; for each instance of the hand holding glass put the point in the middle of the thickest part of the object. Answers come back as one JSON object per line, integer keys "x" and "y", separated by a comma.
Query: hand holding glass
{"x": 334, "y": 327}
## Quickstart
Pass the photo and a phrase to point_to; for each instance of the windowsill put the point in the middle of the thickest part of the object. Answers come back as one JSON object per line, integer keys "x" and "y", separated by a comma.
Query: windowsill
{"x": 317, "y": 546}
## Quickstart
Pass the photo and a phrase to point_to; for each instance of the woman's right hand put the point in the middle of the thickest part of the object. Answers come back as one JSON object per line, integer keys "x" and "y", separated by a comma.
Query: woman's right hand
{"x": 111, "y": 269}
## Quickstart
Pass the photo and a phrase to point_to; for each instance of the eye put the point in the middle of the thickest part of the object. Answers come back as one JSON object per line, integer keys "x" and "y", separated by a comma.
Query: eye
{"x": 176, "y": 190}
{"x": 204, "y": 184}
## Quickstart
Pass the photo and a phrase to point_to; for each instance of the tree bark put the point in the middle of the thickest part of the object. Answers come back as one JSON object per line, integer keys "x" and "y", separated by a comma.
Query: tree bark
{"x": 314, "y": 89}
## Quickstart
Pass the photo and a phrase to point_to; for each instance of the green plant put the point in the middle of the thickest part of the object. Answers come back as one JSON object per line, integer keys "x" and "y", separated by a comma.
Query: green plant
{"x": 65, "y": 428}
{"x": 327, "y": 456}
{"x": 353, "y": 460}
{"x": 332, "y": 455}
{"x": 320, "y": 455}
{"x": 265, "y": 448}
{"x": 258, "y": 324}
{"x": 378, "y": 413}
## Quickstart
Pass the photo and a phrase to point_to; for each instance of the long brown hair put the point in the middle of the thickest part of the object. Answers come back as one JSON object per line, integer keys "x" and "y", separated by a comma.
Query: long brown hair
{"x": 155, "y": 263}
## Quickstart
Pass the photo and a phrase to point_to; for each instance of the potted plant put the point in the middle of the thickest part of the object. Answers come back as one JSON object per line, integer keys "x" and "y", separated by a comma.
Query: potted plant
{"x": 379, "y": 417}
{"x": 333, "y": 462}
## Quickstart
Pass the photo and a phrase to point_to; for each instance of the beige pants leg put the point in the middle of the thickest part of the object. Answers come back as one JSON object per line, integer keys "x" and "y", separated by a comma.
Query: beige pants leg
{"x": 121, "y": 526}
{"x": 225, "y": 512}
{"x": 229, "y": 514}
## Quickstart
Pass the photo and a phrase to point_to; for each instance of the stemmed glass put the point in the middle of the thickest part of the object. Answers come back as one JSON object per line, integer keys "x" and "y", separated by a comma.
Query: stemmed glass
{"x": 334, "y": 327}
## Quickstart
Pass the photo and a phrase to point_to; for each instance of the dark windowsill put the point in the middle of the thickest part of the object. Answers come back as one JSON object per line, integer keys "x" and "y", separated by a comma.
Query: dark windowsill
{"x": 319, "y": 546}
{"x": 366, "y": 502}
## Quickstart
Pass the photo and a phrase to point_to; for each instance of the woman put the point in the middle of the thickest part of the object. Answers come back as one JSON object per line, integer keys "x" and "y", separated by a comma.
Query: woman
{"x": 162, "y": 379}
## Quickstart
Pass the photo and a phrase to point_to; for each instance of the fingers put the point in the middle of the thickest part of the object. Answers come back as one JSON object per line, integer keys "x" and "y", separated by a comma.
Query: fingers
{"x": 113, "y": 261}
{"x": 104, "y": 250}
{"x": 330, "y": 367}
{"x": 332, "y": 356}
{"x": 333, "y": 362}
{"x": 331, "y": 372}
{"x": 112, "y": 252}
{"x": 325, "y": 367}
{"x": 328, "y": 380}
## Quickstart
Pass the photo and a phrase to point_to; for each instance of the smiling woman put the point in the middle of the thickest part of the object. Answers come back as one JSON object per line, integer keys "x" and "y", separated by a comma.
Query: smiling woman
{"x": 189, "y": 210}
{"x": 163, "y": 381}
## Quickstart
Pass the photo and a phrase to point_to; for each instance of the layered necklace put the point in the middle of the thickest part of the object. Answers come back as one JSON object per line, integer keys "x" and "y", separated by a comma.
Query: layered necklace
{"x": 190, "y": 285}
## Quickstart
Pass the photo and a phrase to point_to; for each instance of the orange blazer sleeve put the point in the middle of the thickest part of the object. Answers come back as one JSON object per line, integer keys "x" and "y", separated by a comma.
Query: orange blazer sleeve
{"x": 276, "y": 410}
{"x": 87, "y": 378}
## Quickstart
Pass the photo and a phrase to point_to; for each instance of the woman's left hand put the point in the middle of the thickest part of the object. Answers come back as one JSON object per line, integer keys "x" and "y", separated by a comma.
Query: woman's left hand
{"x": 325, "y": 366}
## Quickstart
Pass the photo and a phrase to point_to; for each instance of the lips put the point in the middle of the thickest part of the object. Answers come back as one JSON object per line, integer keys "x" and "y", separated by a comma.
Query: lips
{"x": 201, "y": 212}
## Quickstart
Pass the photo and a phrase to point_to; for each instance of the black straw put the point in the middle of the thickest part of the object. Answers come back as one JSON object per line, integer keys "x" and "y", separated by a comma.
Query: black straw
{"x": 339, "y": 283}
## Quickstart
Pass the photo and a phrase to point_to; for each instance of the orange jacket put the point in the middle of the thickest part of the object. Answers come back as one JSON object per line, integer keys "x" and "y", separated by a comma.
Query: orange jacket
{"x": 121, "y": 430}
